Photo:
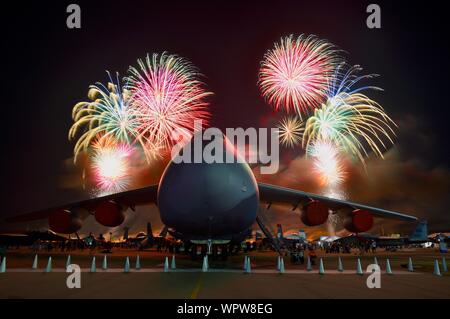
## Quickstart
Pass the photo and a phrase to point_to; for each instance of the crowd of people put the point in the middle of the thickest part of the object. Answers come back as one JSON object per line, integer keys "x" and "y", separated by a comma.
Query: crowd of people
{"x": 338, "y": 247}
{"x": 300, "y": 251}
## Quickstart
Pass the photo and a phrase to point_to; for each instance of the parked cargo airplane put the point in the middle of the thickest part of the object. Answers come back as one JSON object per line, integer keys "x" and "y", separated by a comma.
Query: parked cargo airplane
{"x": 209, "y": 203}
{"x": 417, "y": 237}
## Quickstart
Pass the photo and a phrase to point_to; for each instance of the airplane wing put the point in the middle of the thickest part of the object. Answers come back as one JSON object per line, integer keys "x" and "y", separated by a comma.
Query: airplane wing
{"x": 136, "y": 197}
{"x": 268, "y": 193}
{"x": 275, "y": 194}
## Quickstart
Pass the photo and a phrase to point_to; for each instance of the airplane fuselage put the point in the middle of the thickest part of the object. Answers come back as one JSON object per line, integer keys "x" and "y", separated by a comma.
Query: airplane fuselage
{"x": 208, "y": 201}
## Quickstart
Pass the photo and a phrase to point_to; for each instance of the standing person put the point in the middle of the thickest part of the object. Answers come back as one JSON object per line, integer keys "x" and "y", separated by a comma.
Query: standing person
{"x": 374, "y": 247}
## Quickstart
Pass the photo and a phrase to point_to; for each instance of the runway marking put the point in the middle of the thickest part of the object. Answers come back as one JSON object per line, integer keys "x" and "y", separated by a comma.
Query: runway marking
{"x": 197, "y": 287}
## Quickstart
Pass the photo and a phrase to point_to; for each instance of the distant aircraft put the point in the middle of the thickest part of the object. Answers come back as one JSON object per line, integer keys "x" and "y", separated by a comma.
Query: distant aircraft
{"x": 294, "y": 243}
{"x": 289, "y": 241}
{"x": 144, "y": 240}
{"x": 27, "y": 238}
{"x": 207, "y": 204}
{"x": 418, "y": 236}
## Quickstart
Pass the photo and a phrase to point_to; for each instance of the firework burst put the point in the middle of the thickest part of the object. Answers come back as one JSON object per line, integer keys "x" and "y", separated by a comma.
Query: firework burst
{"x": 294, "y": 74}
{"x": 327, "y": 163}
{"x": 109, "y": 113}
{"x": 291, "y": 131}
{"x": 350, "y": 119}
{"x": 111, "y": 165}
{"x": 168, "y": 98}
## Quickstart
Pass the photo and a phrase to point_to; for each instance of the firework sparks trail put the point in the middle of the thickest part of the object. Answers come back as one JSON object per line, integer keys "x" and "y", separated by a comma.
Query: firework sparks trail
{"x": 109, "y": 113}
{"x": 349, "y": 118}
{"x": 168, "y": 98}
{"x": 294, "y": 74}
{"x": 327, "y": 163}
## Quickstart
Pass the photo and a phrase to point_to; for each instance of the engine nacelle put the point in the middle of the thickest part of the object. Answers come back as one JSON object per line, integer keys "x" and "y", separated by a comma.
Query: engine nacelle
{"x": 64, "y": 222}
{"x": 110, "y": 214}
{"x": 358, "y": 221}
{"x": 314, "y": 213}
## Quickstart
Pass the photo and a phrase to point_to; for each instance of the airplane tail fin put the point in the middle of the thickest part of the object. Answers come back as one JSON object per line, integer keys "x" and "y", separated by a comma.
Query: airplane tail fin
{"x": 149, "y": 239}
{"x": 421, "y": 232}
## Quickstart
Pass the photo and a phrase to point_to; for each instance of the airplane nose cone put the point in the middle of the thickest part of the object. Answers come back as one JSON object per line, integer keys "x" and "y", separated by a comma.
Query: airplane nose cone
{"x": 209, "y": 199}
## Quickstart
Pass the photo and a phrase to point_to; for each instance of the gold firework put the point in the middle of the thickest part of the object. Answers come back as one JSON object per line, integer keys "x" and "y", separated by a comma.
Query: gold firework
{"x": 291, "y": 131}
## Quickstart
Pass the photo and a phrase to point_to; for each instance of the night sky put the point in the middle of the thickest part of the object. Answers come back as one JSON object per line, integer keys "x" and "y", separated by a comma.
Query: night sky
{"x": 48, "y": 68}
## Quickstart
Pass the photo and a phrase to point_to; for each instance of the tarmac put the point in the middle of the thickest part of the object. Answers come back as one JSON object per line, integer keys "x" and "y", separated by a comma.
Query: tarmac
{"x": 224, "y": 279}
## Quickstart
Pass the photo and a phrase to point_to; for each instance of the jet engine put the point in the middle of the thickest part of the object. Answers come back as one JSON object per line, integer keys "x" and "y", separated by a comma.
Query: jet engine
{"x": 64, "y": 222}
{"x": 358, "y": 221}
{"x": 314, "y": 213}
{"x": 110, "y": 214}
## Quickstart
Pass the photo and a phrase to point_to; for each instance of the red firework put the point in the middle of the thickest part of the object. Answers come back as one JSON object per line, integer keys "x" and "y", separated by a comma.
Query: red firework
{"x": 168, "y": 98}
{"x": 294, "y": 74}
